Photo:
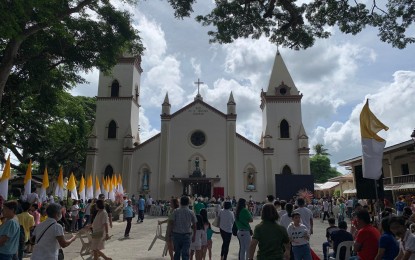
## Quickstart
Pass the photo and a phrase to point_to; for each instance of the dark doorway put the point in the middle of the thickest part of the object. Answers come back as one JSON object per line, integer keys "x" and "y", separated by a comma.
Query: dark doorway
{"x": 202, "y": 189}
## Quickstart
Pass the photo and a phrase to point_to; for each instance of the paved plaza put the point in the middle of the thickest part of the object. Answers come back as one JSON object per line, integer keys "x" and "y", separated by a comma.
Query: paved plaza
{"x": 141, "y": 236}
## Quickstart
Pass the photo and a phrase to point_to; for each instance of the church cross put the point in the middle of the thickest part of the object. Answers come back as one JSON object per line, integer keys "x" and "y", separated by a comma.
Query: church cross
{"x": 198, "y": 82}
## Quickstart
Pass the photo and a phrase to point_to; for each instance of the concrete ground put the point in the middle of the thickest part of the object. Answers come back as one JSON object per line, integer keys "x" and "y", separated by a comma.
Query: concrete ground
{"x": 141, "y": 236}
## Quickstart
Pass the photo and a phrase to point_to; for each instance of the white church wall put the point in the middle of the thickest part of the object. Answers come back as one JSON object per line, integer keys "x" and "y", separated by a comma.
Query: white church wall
{"x": 249, "y": 155}
{"x": 198, "y": 117}
{"x": 123, "y": 74}
{"x": 286, "y": 150}
{"x": 145, "y": 156}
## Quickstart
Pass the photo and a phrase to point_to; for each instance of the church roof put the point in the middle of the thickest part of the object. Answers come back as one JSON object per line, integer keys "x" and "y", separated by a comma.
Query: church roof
{"x": 198, "y": 101}
{"x": 147, "y": 141}
{"x": 280, "y": 75}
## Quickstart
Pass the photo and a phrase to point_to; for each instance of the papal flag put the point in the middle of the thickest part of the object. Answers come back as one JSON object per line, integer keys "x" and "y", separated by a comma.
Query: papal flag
{"x": 114, "y": 182}
{"x": 105, "y": 187}
{"x": 120, "y": 187}
{"x": 28, "y": 180}
{"x": 72, "y": 187}
{"x": 372, "y": 144}
{"x": 111, "y": 193}
{"x": 45, "y": 184}
{"x": 4, "y": 180}
{"x": 89, "y": 188}
{"x": 59, "y": 186}
{"x": 97, "y": 187}
{"x": 82, "y": 189}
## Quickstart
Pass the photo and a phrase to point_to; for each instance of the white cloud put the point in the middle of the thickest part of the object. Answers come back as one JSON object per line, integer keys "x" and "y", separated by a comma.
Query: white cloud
{"x": 161, "y": 78}
{"x": 392, "y": 104}
{"x": 153, "y": 39}
{"x": 196, "y": 67}
{"x": 146, "y": 130}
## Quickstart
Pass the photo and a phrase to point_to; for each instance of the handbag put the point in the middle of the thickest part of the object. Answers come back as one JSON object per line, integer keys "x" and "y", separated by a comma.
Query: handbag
{"x": 216, "y": 222}
{"x": 61, "y": 256}
{"x": 234, "y": 229}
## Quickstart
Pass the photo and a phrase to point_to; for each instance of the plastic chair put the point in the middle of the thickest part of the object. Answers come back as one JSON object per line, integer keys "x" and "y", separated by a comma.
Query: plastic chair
{"x": 159, "y": 235}
{"x": 345, "y": 244}
{"x": 86, "y": 240}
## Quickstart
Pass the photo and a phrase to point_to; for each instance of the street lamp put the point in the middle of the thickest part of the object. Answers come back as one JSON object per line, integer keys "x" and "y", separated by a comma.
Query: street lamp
{"x": 413, "y": 136}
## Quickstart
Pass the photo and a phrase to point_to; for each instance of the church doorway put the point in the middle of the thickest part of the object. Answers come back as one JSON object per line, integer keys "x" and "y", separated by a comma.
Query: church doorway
{"x": 200, "y": 186}
{"x": 200, "y": 189}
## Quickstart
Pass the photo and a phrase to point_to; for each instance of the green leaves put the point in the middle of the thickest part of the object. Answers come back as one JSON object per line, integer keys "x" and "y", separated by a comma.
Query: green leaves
{"x": 292, "y": 24}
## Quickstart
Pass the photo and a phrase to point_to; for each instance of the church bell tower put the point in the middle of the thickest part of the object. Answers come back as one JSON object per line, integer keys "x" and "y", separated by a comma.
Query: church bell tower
{"x": 284, "y": 137}
{"x": 116, "y": 128}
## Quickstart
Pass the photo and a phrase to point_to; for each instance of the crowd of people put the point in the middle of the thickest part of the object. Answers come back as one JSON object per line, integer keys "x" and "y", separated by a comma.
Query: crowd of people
{"x": 283, "y": 233}
{"x": 29, "y": 228}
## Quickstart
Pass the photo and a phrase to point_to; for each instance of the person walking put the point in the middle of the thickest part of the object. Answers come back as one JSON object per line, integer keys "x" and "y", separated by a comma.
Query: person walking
{"x": 325, "y": 210}
{"x": 242, "y": 219}
{"x": 9, "y": 231}
{"x": 141, "y": 205}
{"x": 174, "y": 204}
{"x": 100, "y": 231}
{"x": 128, "y": 215}
{"x": 299, "y": 237}
{"x": 49, "y": 235}
{"x": 226, "y": 220}
{"x": 183, "y": 224}
{"x": 305, "y": 214}
{"x": 271, "y": 237}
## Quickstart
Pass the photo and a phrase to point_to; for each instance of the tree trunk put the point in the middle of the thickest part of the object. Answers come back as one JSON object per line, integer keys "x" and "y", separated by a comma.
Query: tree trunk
{"x": 10, "y": 54}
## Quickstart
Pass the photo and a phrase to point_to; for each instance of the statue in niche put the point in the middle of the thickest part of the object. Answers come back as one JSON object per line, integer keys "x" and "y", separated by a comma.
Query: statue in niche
{"x": 197, "y": 172}
{"x": 145, "y": 180}
{"x": 250, "y": 181}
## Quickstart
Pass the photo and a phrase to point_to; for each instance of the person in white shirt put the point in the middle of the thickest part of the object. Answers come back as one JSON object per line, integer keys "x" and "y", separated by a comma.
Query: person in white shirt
{"x": 306, "y": 215}
{"x": 299, "y": 237}
{"x": 226, "y": 220}
{"x": 49, "y": 235}
{"x": 149, "y": 202}
{"x": 325, "y": 210}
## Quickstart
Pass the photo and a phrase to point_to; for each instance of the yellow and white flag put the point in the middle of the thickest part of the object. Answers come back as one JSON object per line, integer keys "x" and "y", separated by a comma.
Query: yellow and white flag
{"x": 120, "y": 187}
{"x": 97, "y": 187}
{"x": 28, "y": 180}
{"x": 4, "y": 180}
{"x": 59, "y": 192}
{"x": 372, "y": 144}
{"x": 89, "y": 188}
{"x": 105, "y": 187}
{"x": 111, "y": 193}
{"x": 82, "y": 189}
{"x": 45, "y": 184}
{"x": 72, "y": 187}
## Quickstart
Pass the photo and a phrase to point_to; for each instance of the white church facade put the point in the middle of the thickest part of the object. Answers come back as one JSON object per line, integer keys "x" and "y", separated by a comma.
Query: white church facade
{"x": 198, "y": 150}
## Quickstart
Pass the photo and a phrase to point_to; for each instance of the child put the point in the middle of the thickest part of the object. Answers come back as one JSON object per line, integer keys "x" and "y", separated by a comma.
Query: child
{"x": 196, "y": 246}
{"x": 299, "y": 237}
{"x": 43, "y": 214}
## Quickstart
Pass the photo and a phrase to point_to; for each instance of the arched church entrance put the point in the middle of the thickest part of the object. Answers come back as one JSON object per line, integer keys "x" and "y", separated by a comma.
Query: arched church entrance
{"x": 197, "y": 184}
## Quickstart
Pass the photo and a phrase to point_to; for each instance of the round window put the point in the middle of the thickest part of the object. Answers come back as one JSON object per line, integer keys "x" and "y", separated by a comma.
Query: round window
{"x": 198, "y": 138}
{"x": 283, "y": 91}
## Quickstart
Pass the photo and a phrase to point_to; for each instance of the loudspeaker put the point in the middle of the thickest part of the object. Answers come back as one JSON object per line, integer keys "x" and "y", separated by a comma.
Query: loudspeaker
{"x": 366, "y": 188}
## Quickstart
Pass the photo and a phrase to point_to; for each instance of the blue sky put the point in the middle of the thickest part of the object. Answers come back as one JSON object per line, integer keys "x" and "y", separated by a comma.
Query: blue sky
{"x": 336, "y": 75}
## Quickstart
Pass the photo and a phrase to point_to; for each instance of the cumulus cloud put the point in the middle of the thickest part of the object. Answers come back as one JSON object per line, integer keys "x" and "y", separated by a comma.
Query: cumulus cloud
{"x": 391, "y": 103}
{"x": 146, "y": 129}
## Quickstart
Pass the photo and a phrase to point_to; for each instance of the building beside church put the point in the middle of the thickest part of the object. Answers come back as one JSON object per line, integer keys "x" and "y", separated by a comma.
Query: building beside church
{"x": 198, "y": 150}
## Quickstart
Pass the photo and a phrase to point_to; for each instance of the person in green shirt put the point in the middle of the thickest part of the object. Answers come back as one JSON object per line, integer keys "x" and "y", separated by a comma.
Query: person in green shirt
{"x": 242, "y": 219}
{"x": 198, "y": 206}
{"x": 270, "y": 237}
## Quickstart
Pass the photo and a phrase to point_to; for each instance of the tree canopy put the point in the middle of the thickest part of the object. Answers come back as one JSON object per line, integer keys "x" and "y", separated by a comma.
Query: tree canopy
{"x": 71, "y": 36}
{"x": 295, "y": 24}
{"x": 320, "y": 165}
